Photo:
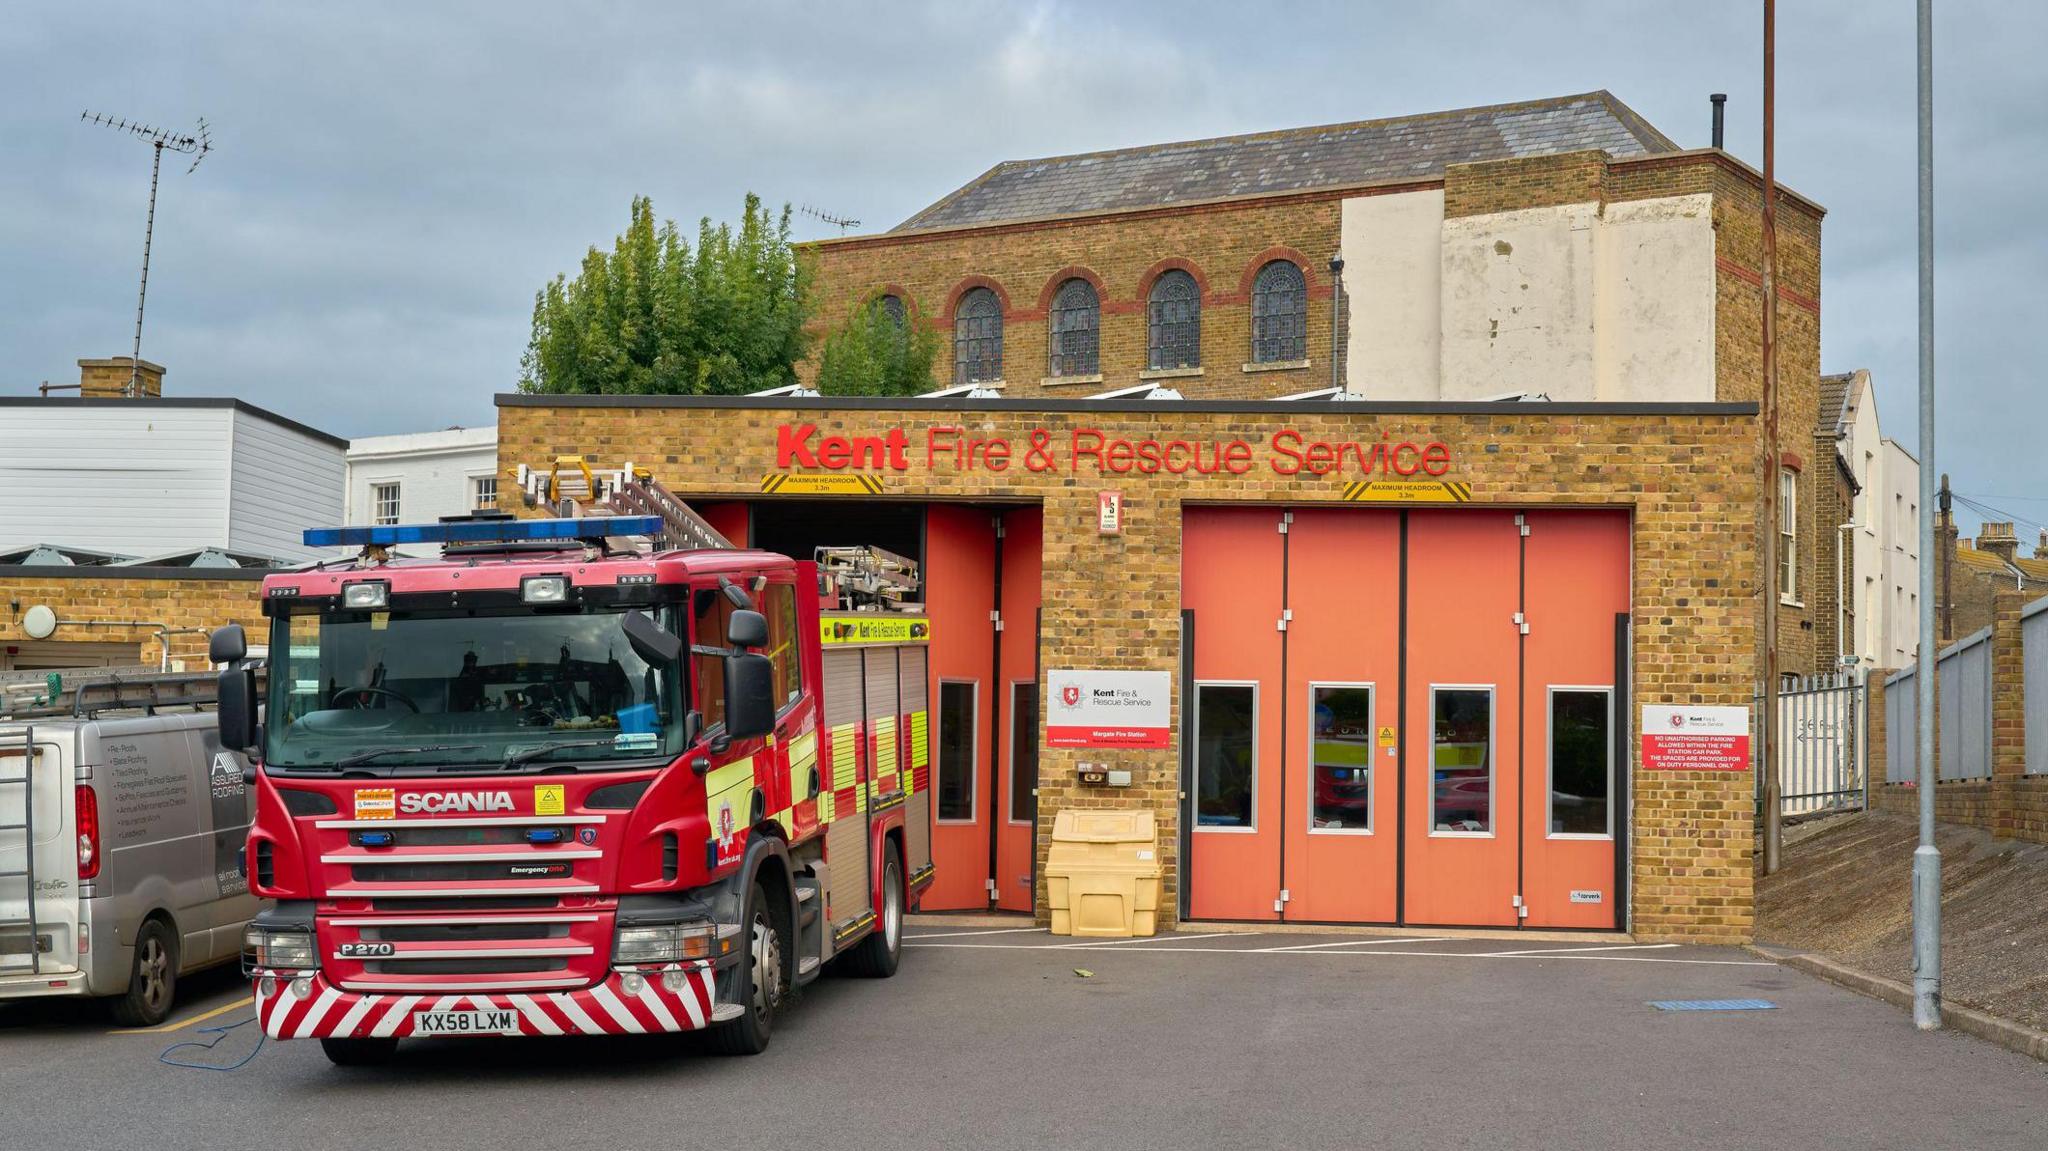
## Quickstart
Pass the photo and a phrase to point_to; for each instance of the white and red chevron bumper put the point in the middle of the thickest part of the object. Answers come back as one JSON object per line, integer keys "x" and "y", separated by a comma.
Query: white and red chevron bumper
{"x": 677, "y": 998}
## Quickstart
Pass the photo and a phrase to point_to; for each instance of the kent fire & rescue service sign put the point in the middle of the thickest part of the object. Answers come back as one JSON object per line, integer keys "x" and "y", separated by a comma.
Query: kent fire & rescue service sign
{"x": 1695, "y": 738}
{"x": 1108, "y": 709}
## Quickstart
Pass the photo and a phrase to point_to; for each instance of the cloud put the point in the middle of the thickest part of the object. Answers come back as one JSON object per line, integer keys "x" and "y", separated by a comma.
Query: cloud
{"x": 394, "y": 181}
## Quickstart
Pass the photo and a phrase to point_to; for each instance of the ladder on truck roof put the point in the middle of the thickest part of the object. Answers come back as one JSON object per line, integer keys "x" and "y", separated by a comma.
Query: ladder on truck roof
{"x": 23, "y": 935}
{"x": 863, "y": 577}
{"x": 638, "y": 493}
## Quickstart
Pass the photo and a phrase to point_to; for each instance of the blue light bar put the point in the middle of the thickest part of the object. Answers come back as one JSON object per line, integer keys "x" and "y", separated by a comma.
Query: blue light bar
{"x": 483, "y": 531}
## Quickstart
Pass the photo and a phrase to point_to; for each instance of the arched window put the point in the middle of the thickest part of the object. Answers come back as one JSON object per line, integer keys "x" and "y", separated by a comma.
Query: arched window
{"x": 978, "y": 337}
{"x": 892, "y": 307}
{"x": 1175, "y": 329}
{"x": 1279, "y": 314}
{"x": 1076, "y": 330}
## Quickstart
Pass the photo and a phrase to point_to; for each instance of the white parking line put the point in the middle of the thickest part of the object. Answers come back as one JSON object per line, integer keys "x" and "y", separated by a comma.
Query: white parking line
{"x": 1297, "y": 954}
{"x": 985, "y": 931}
{"x": 1358, "y": 943}
{"x": 1158, "y": 939}
{"x": 1576, "y": 950}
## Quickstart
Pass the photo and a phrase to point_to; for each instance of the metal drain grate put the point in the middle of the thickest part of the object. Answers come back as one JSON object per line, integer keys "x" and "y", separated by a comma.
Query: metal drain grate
{"x": 1714, "y": 1005}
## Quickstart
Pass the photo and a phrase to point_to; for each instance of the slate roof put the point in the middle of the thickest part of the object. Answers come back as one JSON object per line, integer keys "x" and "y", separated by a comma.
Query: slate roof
{"x": 1834, "y": 397}
{"x": 1367, "y": 151}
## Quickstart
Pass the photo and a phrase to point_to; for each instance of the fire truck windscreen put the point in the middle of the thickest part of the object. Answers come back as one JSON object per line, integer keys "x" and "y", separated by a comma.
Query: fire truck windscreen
{"x": 411, "y": 692}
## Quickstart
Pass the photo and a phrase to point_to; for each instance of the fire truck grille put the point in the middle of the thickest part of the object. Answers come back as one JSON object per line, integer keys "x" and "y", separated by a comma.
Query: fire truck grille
{"x": 464, "y": 932}
{"x": 427, "y": 835}
{"x": 477, "y": 966}
{"x": 460, "y": 903}
{"x": 396, "y": 872}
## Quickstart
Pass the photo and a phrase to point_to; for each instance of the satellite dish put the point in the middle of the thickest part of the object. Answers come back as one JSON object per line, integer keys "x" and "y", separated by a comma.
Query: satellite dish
{"x": 39, "y": 622}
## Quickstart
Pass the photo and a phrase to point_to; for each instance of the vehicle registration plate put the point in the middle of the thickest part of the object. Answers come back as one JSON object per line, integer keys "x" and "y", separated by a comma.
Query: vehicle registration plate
{"x": 465, "y": 1023}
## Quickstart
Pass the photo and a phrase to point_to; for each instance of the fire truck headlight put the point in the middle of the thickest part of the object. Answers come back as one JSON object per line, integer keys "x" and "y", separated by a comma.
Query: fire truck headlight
{"x": 544, "y": 589}
{"x": 285, "y": 950}
{"x": 662, "y": 943}
{"x": 365, "y": 595}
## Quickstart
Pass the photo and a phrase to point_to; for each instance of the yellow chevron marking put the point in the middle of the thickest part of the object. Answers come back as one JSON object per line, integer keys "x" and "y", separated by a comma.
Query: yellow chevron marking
{"x": 1407, "y": 492}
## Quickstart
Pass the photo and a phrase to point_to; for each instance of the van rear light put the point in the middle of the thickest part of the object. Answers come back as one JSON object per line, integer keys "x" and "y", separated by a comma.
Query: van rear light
{"x": 87, "y": 810}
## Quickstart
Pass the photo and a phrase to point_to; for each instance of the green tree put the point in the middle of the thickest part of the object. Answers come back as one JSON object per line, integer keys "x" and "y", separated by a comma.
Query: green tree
{"x": 654, "y": 316}
{"x": 874, "y": 353}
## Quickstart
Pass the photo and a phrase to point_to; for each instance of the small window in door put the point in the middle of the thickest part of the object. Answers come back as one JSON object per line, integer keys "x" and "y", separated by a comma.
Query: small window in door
{"x": 710, "y": 611}
{"x": 1226, "y": 754}
{"x": 1581, "y": 760}
{"x": 785, "y": 652}
{"x": 1461, "y": 760}
{"x": 956, "y": 751}
{"x": 1340, "y": 758}
{"x": 1024, "y": 752}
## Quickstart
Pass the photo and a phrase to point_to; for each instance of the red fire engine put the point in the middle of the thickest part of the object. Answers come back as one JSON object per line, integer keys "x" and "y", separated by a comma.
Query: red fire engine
{"x": 576, "y": 776}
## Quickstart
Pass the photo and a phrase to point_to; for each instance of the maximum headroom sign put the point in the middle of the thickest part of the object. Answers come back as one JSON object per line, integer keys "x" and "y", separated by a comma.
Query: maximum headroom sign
{"x": 1108, "y": 709}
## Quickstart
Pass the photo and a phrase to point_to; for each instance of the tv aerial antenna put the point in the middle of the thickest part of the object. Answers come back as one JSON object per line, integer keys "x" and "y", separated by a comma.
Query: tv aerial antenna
{"x": 843, "y": 223}
{"x": 196, "y": 145}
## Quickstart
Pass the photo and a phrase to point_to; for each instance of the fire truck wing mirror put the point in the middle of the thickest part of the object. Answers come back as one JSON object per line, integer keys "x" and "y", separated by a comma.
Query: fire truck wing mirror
{"x": 227, "y": 644}
{"x": 236, "y": 708}
{"x": 749, "y": 695}
{"x": 747, "y": 629}
{"x": 651, "y": 642}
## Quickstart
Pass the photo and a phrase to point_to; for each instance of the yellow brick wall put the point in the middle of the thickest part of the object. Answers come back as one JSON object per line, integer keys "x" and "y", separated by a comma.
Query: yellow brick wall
{"x": 82, "y": 594}
{"x": 1114, "y": 602}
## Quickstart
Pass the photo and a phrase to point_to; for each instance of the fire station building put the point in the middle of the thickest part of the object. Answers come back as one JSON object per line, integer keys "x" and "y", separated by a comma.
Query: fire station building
{"x": 1373, "y": 564}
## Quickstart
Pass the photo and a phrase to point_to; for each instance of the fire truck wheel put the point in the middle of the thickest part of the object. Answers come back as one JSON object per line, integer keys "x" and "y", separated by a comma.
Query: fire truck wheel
{"x": 152, "y": 979}
{"x": 748, "y": 1035}
{"x": 359, "y": 1052}
{"x": 877, "y": 955}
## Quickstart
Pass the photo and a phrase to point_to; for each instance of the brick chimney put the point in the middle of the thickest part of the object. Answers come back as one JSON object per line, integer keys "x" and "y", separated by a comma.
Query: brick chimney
{"x": 1999, "y": 540}
{"x": 108, "y": 379}
{"x": 2041, "y": 547}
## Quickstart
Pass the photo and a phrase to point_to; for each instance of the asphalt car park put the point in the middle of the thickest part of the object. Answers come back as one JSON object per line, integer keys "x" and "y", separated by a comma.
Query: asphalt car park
{"x": 996, "y": 1037}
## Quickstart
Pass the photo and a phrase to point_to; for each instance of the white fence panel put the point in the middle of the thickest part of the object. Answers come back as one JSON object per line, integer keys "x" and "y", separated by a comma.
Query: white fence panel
{"x": 1901, "y": 728}
{"x": 1965, "y": 686}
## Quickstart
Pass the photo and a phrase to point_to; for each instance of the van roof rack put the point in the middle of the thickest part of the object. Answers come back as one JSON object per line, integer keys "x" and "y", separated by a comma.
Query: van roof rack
{"x": 85, "y": 694}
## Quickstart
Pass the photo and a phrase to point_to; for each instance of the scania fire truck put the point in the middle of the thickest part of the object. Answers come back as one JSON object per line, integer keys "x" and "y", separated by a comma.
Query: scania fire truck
{"x": 590, "y": 775}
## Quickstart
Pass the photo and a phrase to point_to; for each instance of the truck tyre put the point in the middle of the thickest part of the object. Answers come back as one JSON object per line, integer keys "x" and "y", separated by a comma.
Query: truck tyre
{"x": 152, "y": 978}
{"x": 359, "y": 1052}
{"x": 761, "y": 982}
{"x": 878, "y": 954}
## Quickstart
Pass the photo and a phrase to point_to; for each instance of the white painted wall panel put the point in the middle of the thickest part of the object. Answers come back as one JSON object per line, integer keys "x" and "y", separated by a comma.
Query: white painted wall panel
{"x": 1518, "y": 303}
{"x": 139, "y": 481}
{"x": 1392, "y": 248}
{"x": 283, "y": 482}
{"x": 1654, "y": 301}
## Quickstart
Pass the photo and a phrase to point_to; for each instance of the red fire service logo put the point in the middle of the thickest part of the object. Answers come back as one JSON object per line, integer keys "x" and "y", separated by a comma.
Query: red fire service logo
{"x": 1070, "y": 695}
{"x": 1677, "y": 720}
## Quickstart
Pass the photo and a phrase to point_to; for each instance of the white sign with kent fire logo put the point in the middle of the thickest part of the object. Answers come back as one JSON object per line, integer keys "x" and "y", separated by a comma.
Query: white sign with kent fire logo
{"x": 1108, "y": 709}
{"x": 1695, "y": 738}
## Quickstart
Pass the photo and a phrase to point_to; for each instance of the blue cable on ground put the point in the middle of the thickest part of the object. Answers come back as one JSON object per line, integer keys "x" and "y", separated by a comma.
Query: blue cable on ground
{"x": 218, "y": 1033}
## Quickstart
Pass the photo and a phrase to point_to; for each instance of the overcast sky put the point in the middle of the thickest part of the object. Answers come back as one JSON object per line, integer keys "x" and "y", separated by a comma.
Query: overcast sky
{"x": 393, "y": 182}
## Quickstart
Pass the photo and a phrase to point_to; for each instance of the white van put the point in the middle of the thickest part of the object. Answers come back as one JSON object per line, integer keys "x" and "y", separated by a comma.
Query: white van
{"x": 122, "y": 822}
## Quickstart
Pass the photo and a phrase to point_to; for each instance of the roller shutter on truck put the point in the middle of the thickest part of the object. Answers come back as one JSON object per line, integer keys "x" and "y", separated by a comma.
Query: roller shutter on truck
{"x": 877, "y": 753}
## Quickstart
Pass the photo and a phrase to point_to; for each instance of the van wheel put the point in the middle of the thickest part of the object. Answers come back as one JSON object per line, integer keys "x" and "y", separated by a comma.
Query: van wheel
{"x": 152, "y": 978}
{"x": 878, "y": 954}
{"x": 359, "y": 1052}
{"x": 762, "y": 985}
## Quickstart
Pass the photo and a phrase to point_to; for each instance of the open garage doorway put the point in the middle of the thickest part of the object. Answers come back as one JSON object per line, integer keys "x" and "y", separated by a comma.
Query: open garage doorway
{"x": 981, "y": 569}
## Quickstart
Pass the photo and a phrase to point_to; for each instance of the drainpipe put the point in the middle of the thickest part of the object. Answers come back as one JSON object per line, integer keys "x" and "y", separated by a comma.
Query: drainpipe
{"x": 1841, "y": 605}
{"x": 1773, "y": 818}
{"x": 1336, "y": 313}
